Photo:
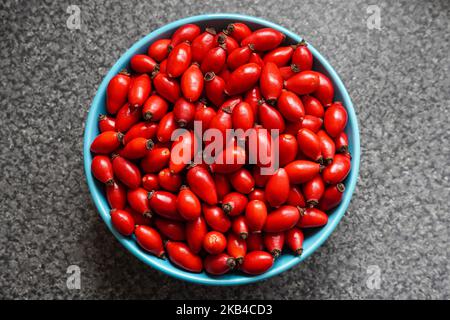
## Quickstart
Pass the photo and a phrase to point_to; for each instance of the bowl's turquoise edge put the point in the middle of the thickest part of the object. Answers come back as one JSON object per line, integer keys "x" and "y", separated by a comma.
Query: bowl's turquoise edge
{"x": 91, "y": 123}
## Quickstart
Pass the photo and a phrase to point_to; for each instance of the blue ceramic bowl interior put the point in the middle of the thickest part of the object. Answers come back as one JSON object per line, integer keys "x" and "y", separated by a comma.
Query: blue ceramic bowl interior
{"x": 313, "y": 239}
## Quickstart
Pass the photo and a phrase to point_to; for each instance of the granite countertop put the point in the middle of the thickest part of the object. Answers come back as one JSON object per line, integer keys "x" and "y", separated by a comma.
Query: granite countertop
{"x": 397, "y": 225}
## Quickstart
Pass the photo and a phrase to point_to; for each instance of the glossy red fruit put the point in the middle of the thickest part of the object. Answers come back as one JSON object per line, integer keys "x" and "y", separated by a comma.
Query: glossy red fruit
{"x": 264, "y": 39}
{"x": 202, "y": 44}
{"x": 313, "y": 190}
{"x": 126, "y": 171}
{"x": 116, "y": 194}
{"x": 154, "y": 108}
{"x": 150, "y": 182}
{"x": 341, "y": 142}
{"x": 239, "y": 227}
{"x": 219, "y": 264}
{"x": 214, "y": 88}
{"x": 238, "y": 30}
{"x": 173, "y": 230}
{"x": 338, "y": 170}
{"x": 274, "y": 243}
{"x": 332, "y": 197}
{"x": 335, "y": 119}
{"x": 188, "y": 204}
{"x": 325, "y": 91}
{"x": 222, "y": 121}
{"x": 253, "y": 97}
{"x": 288, "y": 148}
{"x": 256, "y": 215}
{"x": 313, "y": 107}
{"x": 304, "y": 82}
{"x": 140, "y": 88}
{"x": 117, "y": 92}
{"x": 312, "y": 123}
{"x": 231, "y": 103}
{"x": 327, "y": 146}
{"x": 142, "y": 63}
{"x": 187, "y": 32}
{"x": 223, "y": 186}
{"x": 277, "y": 188}
{"x": 234, "y": 203}
{"x": 214, "y": 242}
{"x": 226, "y": 42}
{"x": 138, "y": 201}
{"x": 229, "y": 160}
{"x": 309, "y": 144}
{"x": 290, "y": 106}
{"x": 312, "y": 218}
{"x": 257, "y": 194}
{"x": 166, "y": 87}
{"x": 106, "y": 123}
{"x": 262, "y": 154}
{"x": 216, "y": 218}
{"x": 122, "y": 221}
{"x": 107, "y": 142}
{"x": 202, "y": 184}
{"x": 271, "y": 118}
{"x": 162, "y": 68}
{"x": 184, "y": 112}
{"x": 296, "y": 198}
{"x": 255, "y": 242}
{"x": 179, "y": 60}
{"x": 166, "y": 127}
{"x": 300, "y": 171}
{"x": 102, "y": 169}
{"x": 196, "y": 231}
{"x": 159, "y": 50}
{"x": 192, "y": 83}
{"x": 127, "y": 116}
{"x": 239, "y": 57}
{"x": 155, "y": 160}
{"x": 164, "y": 203}
{"x": 214, "y": 60}
{"x": 139, "y": 219}
{"x": 282, "y": 219}
{"x": 280, "y": 56}
{"x": 204, "y": 114}
{"x": 293, "y": 127}
{"x": 289, "y": 71}
{"x": 302, "y": 57}
{"x": 294, "y": 240}
{"x": 242, "y": 181}
{"x": 169, "y": 181}
{"x": 260, "y": 179}
{"x": 257, "y": 262}
{"x": 180, "y": 254}
{"x": 243, "y": 79}
{"x": 150, "y": 240}
{"x": 145, "y": 130}
{"x": 271, "y": 82}
{"x": 236, "y": 247}
{"x": 183, "y": 151}
{"x": 225, "y": 74}
{"x": 256, "y": 58}
{"x": 137, "y": 148}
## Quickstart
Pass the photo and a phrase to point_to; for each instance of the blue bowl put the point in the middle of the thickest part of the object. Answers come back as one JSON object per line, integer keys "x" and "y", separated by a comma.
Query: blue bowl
{"x": 313, "y": 239}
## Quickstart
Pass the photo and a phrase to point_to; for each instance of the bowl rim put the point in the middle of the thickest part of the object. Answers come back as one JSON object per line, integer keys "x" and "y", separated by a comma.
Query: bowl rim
{"x": 173, "y": 271}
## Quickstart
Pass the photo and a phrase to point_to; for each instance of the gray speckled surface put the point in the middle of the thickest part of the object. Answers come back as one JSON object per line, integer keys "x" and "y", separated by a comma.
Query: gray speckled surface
{"x": 398, "y": 220}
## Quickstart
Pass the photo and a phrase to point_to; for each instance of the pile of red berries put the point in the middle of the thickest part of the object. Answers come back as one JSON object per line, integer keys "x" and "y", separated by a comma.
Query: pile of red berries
{"x": 221, "y": 216}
